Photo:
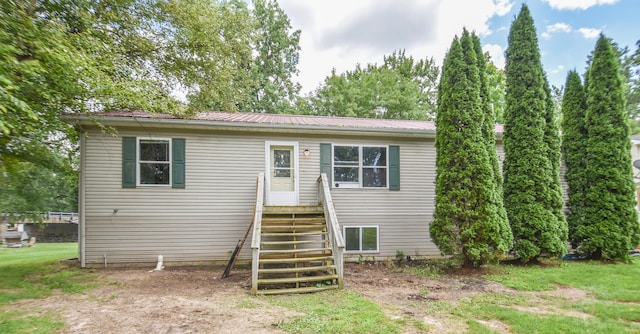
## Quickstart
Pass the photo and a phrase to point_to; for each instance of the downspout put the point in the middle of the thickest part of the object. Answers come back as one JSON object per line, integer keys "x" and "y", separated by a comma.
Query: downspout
{"x": 81, "y": 201}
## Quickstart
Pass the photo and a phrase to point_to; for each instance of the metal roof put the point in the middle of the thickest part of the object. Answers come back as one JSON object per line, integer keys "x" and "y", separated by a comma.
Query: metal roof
{"x": 282, "y": 119}
{"x": 273, "y": 121}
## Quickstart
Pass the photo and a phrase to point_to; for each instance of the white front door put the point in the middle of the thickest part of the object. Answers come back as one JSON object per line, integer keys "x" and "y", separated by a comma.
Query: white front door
{"x": 281, "y": 173}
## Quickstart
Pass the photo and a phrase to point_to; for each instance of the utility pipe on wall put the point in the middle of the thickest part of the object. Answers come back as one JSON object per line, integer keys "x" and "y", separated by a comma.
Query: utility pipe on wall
{"x": 159, "y": 266}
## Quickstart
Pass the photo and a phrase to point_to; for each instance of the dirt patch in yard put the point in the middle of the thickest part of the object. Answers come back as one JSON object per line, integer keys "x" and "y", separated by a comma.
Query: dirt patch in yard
{"x": 405, "y": 295}
{"x": 196, "y": 300}
{"x": 174, "y": 300}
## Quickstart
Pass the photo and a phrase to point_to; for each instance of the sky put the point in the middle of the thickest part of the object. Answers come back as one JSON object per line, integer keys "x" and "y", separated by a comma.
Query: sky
{"x": 343, "y": 33}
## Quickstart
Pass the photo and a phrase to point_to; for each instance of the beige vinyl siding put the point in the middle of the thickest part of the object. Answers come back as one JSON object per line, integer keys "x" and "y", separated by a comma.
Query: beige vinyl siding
{"x": 204, "y": 221}
{"x": 200, "y": 223}
{"x": 402, "y": 216}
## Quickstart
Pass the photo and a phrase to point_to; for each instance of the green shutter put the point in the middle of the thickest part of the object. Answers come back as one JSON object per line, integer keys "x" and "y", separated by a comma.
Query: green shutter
{"x": 178, "y": 163}
{"x": 129, "y": 162}
{"x": 325, "y": 160}
{"x": 394, "y": 167}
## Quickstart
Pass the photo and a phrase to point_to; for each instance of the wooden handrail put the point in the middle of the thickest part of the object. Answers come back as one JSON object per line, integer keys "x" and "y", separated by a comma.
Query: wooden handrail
{"x": 257, "y": 226}
{"x": 333, "y": 227}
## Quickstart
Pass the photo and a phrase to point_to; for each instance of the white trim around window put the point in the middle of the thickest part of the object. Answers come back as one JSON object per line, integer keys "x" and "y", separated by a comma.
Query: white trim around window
{"x": 161, "y": 159}
{"x": 354, "y": 169}
{"x": 362, "y": 235}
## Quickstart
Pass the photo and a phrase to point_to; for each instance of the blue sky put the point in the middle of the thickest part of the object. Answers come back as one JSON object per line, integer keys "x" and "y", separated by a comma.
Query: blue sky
{"x": 342, "y": 33}
{"x": 567, "y": 36}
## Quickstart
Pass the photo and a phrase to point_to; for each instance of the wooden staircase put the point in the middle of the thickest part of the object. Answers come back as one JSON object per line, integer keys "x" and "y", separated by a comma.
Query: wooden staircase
{"x": 296, "y": 249}
{"x": 295, "y": 254}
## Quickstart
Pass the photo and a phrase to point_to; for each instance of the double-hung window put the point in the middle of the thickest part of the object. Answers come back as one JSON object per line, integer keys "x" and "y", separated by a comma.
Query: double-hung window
{"x": 154, "y": 161}
{"x": 360, "y": 166}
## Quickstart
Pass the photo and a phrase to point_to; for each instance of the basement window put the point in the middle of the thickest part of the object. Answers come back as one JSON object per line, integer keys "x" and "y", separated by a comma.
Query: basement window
{"x": 361, "y": 239}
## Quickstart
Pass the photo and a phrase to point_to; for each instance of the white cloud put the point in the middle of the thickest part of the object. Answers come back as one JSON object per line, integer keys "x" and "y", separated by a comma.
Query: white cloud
{"x": 557, "y": 69}
{"x": 503, "y": 7}
{"x": 497, "y": 54}
{"x": 589, "y": 32}
{"x": 342, "y": 33}
{"x": 554, "y": 28}
{"x": 559, "y": 27}
{"x": 577, "y": 4}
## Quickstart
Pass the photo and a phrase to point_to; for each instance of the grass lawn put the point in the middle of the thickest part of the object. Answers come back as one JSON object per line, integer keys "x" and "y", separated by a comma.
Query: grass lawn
{"x": 612, "y": 304}
{"x": 36, "y": 272}
{"x": 336, "y": 312}
{"x": 608, "y": 299}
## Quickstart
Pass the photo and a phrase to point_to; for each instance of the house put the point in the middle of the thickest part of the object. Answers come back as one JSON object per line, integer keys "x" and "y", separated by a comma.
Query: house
{"x": 186, "y": 188}
{"x": 15, "y": 239}
{"x": 635, "y": 158}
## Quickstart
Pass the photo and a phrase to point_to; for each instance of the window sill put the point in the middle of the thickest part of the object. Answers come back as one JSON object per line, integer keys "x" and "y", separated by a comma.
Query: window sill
{"x": 153, "y": 186}
{"x": 365, "y": 188}
{"x": 362, "y": 252}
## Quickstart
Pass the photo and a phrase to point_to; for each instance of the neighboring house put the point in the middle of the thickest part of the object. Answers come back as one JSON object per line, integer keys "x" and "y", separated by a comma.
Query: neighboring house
{"x": 635, "y": 158}
{"x": 185, "y": 188}
{"x": 16, "y": 238}
{"x": 635, "y": 155}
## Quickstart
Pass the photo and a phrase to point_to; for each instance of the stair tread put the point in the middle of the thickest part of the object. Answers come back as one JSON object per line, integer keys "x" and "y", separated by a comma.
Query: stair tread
{"x": 307, "y": 289}
{"x": 280, "y": 229}
{"x": 292, "y": 222}
{"x": 292, "y": 209}
{"x": 290, "y": 227}
{"x": 297, "y": 259}
{"x": 291, "y": 251}
{"x": 301, "y": 234}
{"x": 291, "y": 242}
{"x": 296, "y": 219}
{"x": 294, "y": 270}
{"x": 283, "y": 256}
{"x": 301, "y": 279}
{"x": 294, "y": 226}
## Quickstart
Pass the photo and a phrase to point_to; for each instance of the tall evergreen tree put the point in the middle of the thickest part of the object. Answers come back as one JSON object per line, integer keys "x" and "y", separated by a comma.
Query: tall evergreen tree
{"x": 574, "y": 137}
{"x": 610, "y": 227}
{"x": 527, "y": 168}
{"x": 466, "y": 216}
{"x": 505, "y": 241}
{"x": 554, "y": 145}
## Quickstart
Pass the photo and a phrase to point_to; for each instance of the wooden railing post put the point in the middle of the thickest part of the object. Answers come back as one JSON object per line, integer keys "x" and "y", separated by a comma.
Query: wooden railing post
{"x": 255, "y": 239}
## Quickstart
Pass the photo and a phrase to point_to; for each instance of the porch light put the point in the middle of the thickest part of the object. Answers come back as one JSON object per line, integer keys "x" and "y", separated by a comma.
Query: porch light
{"x": 306, "y": 152}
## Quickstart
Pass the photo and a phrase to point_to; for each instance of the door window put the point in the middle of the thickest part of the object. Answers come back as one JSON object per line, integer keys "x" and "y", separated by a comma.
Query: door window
{"x": 282, "y": 163}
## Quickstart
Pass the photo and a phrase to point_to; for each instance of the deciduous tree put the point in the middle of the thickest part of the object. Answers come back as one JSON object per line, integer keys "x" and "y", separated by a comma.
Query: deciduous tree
{"x": 631, "y": 71}
{"x": 275, "y": 62}
{"x": 400, "y": 88}
{"x": 70, "y": 56}
{"x": 496, "y": 85}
